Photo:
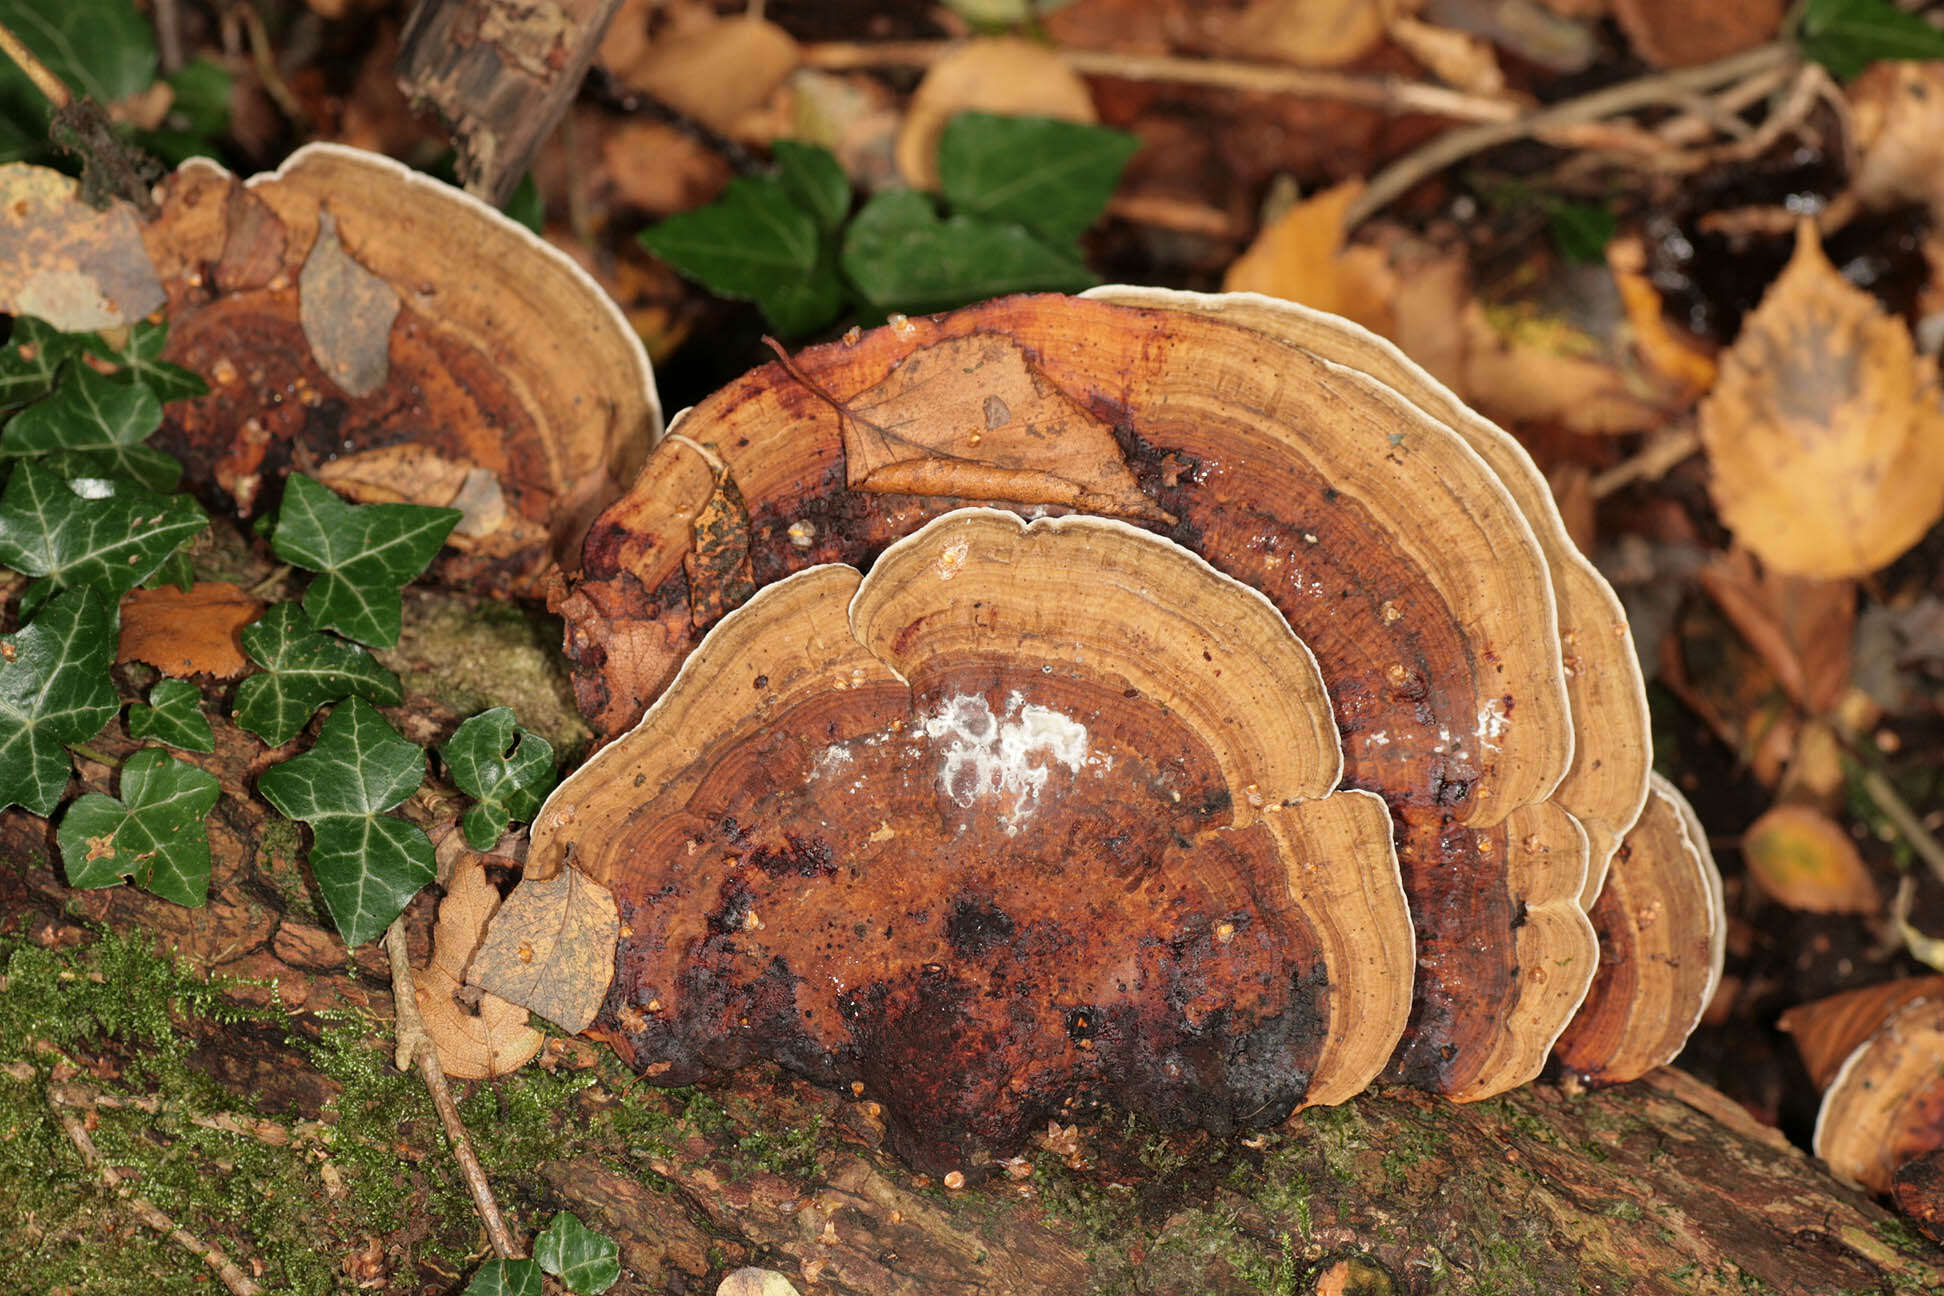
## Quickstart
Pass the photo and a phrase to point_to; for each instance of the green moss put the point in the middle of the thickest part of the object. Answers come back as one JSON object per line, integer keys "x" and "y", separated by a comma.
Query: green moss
{"x": 471, "y": 656}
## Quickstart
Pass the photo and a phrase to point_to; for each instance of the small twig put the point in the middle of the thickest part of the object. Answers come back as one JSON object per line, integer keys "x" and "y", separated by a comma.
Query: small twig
{"x": 1905, "y": 820}
{"x": 168, "y": 34}
{"x": 1928, "y": 950}
{"x": 266, "y": 67}
{"x": 52, "y": 88}
{"x": 146, "y": 1211}
{"x": 1662, "y": 87}
{"x": 1653, "y": 462}
{"x": 414, "y": 1045}
{"x": 1391, "y": 94}
{"x": 86, "y": 752}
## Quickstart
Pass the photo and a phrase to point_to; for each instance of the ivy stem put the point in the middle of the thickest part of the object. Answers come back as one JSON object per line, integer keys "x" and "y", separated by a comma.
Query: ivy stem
{"x": 86, "y": 752}
{"x": 52, "y": 88}
{"x": 270, "y": 582}
{"x": 415, "y": 1046}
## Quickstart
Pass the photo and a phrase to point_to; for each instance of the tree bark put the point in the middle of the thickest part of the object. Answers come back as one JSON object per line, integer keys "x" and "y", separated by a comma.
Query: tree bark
{"x": 1662, "y": 1186}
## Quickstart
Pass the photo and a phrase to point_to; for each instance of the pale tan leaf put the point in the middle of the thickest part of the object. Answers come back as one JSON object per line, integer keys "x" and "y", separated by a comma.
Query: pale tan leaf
{"x": 1807, "y": 862}
{"x": 65, "y": 262}
{"x": 551, "y": 948}
{"x": 346, "y": 312}
{"x": 496, "y": 1038}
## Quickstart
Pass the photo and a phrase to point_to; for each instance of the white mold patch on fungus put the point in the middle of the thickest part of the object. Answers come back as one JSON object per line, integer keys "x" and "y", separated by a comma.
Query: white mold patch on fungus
{"x": 1007, "y": 757}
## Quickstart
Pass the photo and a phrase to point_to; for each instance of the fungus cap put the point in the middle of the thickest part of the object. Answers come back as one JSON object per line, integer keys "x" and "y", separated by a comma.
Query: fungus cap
{"x": 1885, "y": 1105}
{"x": 1027, "y": 816}
{"x": 1379, "y": 533}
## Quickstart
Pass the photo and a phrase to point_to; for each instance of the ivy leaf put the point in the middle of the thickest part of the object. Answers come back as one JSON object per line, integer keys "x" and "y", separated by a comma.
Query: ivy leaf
{"x": 902, "y": 256}
{"x": 33, "y": 356}
{"x": 303, "y": 670}
{"x": 1847, "y": 36}
{"x": 101, "y": 423}
{"x": 756, "y": 244}
{"x": 367, "y": 865}
{"x": 583, "y": 1259}
{"x": 173, "y": 714}
{"x": 104, "y": 51}
{"x": 1053, "y": 177}
{"x": 153, "y": 835}
{"x": 140, "y": 357}
{"x": 506, "y": 1278}
{"x": 815, "y": 181}
{"x": 93, "y": 531}
{"x": 367, "y": 553}
{"x": 504, "y": 768}
{"x": 54, "y": 690}
{"x": 178, "y": 569}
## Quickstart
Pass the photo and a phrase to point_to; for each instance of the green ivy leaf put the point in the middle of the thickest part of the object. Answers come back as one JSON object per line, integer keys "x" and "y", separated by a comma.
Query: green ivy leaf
{"x": 1582, "y": 230}
{"x": 815, "y": 181}
{"x": 33, "y": 357}
{"x": 100, "y": 424}
{"x": 902, "y": 256}
{"x": 506, "y": 769}
{"x": 173, "y": 714}
{"x": 583, "y": 1259}
{"x": 367, "y": 553}
{"x": 1053, "y": 177}
{"x": 140, "y": 358}
{"x": 153, "y": 835}
{"x": 755, "y": 244}
{"x": 303, "y": 670}
{"x": 367, "y": 865}
{"x": 54, "y": 690}
{"x": 101, "y": 48}
{"x": 507, "y": 1278}
{"x": 177, "y": 569}
{"x": 1847, "y": 36}
{"x": 93, "y": 531}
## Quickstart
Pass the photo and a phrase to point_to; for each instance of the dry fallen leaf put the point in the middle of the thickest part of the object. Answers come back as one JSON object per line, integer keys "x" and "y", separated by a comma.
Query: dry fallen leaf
{"x": 191, "y": 633}
{"x": 713, "y": 69}
{"x": 1806, "y": 861}
{"x": 497, "y": 1038}
{"x": 1679, "y": 33}
{"x": 1801, "y": 628}
{"x": 346, "y": 312}
{"x": 1300, "y": 257}
{"x": 1523, "y": 367}
{"x": 1824, "y": 430}
{"x": 1677, "y": 358}
{"x": 551, "y": 948}
{"x": 1312, "y": 33}
{"x": 65, "y": 262}
{"x": 1827, "y": 1031}
{"x": 1002, "y": 74}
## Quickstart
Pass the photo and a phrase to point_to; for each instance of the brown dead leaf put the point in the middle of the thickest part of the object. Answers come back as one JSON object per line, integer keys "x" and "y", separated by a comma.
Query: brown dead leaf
{"x": 1681, "y": 360}
{"x": 1806, "y": 861}
{"x": 1828, "y": 1030}
{"x": 657, "y": 168}
{"x": 1300, "y": 257}
{"x": 1897, "y": 130}
{"x": 713, "y": 69}
{"x": 1311, "y": 33}
{"x": 1521, "y": 367}
{"x": 346, "y": 312}
{"x": 1456, "y": 58}
{"x": 64, "y": 262}
{"x": 1001, "y": 74}
{"x": 1801, "y": 628}
{"x": 972, "y": 417}
{"x": 187, "y": 634}
{"x": 550, "y": 948}
{"x": 495, "y": 1039}
{"x": 1679, "y": 33}
{"x": 1824, "y": 430}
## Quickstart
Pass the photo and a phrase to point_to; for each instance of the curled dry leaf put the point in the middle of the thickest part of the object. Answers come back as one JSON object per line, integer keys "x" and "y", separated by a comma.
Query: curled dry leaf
{"x": 1803, "y": 859}
{"x": 496, "y": 1038}
{"x": 1663, "y": 941}
{"x": 1678, "y": 33}
{"x": 1300, "y": 257}
{"x": 1000, "y": 74}
{"x": 1312, "y": 33}
{"x": 188, "y": 633}
{"x": 509, "y": 384}
{"x": 63, "y": 261}
{"x": 1828, "y": 1030}
{"x": 1824, "y": 430}
{"x": 1897, "y": 129}
{"x": 713, "y": 69}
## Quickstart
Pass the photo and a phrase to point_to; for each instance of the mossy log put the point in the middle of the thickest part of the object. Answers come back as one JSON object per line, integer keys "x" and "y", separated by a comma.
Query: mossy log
{"x": 1662, "y": 1186}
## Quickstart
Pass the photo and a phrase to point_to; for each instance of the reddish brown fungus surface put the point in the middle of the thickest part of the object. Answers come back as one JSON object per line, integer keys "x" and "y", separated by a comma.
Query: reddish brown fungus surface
{"x": 998, "y": 842}
{"x": 1389, "y": 546}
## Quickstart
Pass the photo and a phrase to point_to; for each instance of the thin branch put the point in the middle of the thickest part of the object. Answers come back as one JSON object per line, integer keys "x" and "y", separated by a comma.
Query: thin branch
{"x": 1653, "y": 462}
{"x": 1391, "y": 94}
{"x": 1899, "y": 813}
{"x": 52, "y": 88}
{"x": 239, "y": 1283}
{"x": 1662, "y": 87}
{"x": 414, "y": 1045}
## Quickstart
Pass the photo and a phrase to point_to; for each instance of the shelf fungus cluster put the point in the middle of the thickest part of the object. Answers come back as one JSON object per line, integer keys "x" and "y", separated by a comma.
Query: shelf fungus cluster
{"x": 1175, "y": 701}
{"x": 400, "y": 341}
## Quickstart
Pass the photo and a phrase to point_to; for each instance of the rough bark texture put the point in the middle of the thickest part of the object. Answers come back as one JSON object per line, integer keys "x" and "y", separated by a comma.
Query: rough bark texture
{"x": 1659, "y": 1186}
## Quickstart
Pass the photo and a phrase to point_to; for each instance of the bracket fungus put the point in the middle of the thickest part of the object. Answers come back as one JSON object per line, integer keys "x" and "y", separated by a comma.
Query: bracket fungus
{"x": 1876, "y": 1052}
{"x": 403, "y": 342}
{"x": 1475, "y": 670}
